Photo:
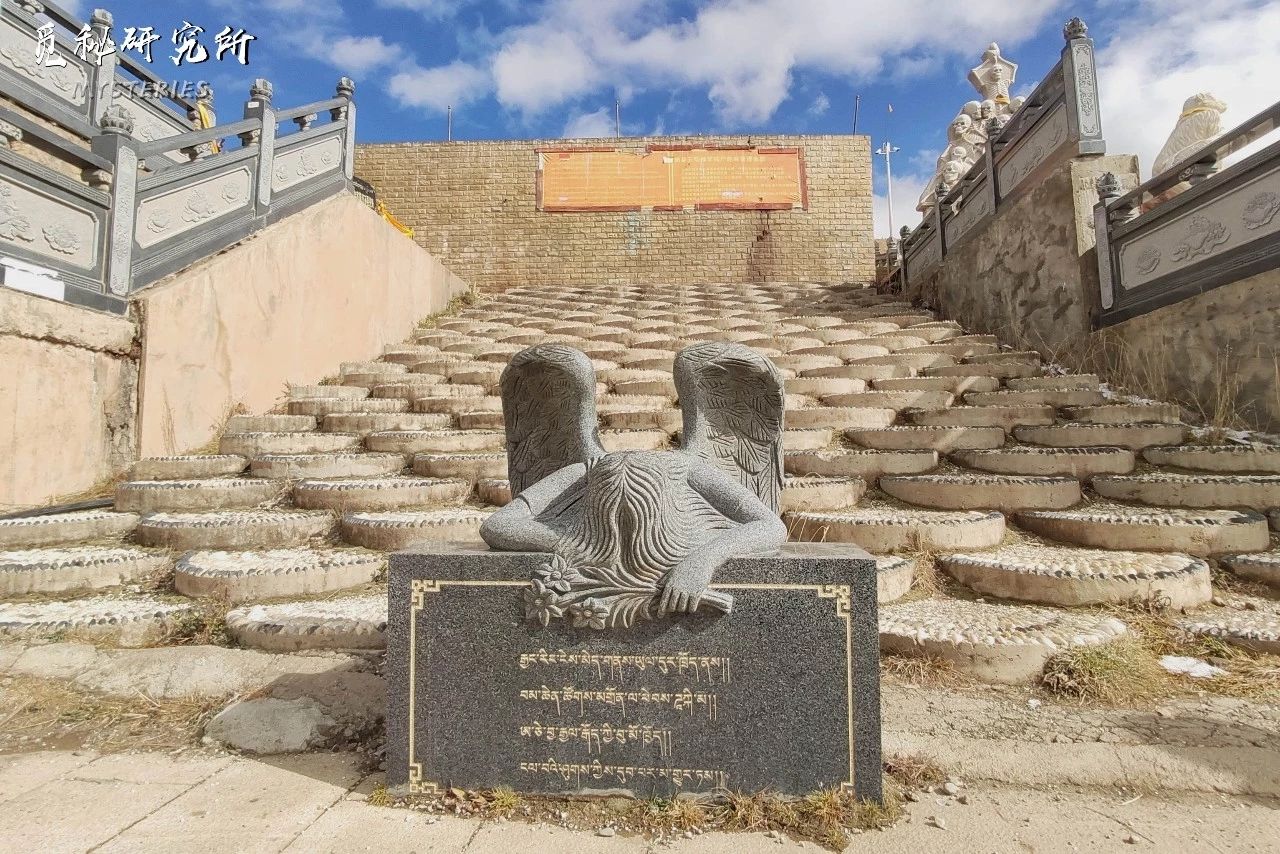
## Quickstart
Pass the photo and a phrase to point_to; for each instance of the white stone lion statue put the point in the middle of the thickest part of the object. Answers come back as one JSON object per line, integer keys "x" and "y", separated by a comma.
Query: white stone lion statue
{"x": 1199, "y": 123}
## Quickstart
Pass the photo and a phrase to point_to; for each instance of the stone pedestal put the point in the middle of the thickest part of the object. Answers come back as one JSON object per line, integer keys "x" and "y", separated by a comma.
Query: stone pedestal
{"x": 782, "y": 694}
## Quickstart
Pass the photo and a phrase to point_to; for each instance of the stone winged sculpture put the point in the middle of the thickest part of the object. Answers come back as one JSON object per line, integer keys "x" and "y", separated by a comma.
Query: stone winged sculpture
{"x": 638, "y": 534}
{"x": 1199, "y": 123}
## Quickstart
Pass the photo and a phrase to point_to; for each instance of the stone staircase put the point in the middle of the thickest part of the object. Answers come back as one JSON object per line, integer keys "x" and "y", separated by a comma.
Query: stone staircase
{"x": 1036, "y": 493}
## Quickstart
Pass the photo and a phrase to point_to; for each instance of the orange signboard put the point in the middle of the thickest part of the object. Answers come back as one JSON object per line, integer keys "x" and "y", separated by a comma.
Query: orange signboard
{"x": 674, "y": 178}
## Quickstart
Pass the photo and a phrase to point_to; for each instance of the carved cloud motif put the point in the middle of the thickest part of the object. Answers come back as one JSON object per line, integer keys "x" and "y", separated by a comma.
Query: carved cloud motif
{"x": 1260, "y": 210}
{"x": 1204, "y": 236}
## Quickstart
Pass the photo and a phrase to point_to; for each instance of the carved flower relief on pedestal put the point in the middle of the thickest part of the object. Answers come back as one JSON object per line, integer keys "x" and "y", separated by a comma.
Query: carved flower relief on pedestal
{"x": 61, "y": 239}
{"x": 159, "y": 221}
{"x": 1260, "y": 210}
{"x": 13, "y": 225}
{"x": 231, "y": 193}
{"x": 1148, "y": 260}
{"x": 1204, "y": 236}
{"x": 593, "y": 597}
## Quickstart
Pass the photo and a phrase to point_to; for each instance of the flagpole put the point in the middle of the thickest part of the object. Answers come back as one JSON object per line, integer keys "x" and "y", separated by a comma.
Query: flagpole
{"x": 857, "y": 103}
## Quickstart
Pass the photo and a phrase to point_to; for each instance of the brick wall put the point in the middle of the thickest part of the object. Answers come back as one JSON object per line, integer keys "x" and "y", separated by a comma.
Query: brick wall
{"x": 474, "y": 205}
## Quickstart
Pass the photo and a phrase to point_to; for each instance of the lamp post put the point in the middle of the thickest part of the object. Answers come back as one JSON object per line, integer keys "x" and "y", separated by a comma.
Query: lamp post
{"x": 887, "y": 149}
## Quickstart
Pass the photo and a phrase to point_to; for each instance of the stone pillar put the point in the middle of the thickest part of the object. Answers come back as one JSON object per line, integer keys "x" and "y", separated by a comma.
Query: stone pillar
{"x": 102, "y": 76}
{"x": 259, "y": 107}
{"x": 1084, "y": 115}
{"x": 1108, "y": 186}
{"x": 117, "y": 144}
{"x": 347, "y": 91}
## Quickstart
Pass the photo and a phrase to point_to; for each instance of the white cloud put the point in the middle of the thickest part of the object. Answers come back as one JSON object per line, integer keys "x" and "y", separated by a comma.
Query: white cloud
{"x": 430, "y": 8}
{"x": 437, "y": 88}
{"x": 534, "y": 76}
{"x": 906, "y": 192}
{"x": 1169, "y": 50}
{"x": 820, "y": 105}
{"x": 589, "y": 125}
{"x": 358, "y": 54}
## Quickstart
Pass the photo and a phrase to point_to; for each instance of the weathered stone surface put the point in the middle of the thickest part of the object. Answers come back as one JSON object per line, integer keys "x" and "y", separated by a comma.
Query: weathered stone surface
{"x": 1246, "y": 621}
{"x": 270, "y": 424}
{"x": 1004, "y": 417}
{"x": 1008, "y": 493}
{"x": 365, "y": 423}
{"x": 252, "y": 444}
{"x": 866, "y": 464}
{"x": 392, "y": 530}
{"x": 1070, "y": 576}
{"x": 61, "y": 528}
{"x": 895, "y": 400}
{"x": 470, "y": 467}
{"x": 1002, "y": 370}
{"x": 187, "y": 467}
{"x": 1035, "y": 397}
{"x": 1196, "y": 532}
{"x": 1261, "y": 566}
{"x": 1065, "y": 382}
{"x": 322, "y": 406}
{"x": 953, "y": 385}
{"x": 132, "y": 621}
{"x": 385, "y": 493}
{"x": 885, "y": 530}
{"x": 145, "y": 496}
{"x": 233, "y": 530}
{"x": 335, "y": 464}
{"x": 249, "y": 575}
{"x": 821, "y": 493}
{"x": 73, "y": 568}
{"x": 309, "y": 392}
{"x": 1126, "y": 413}
{"x": 267, "y": 725}
{"x": 943, "y": 439}
{"x": 1184, "y": 490}
{"x": 436, "y": 441}
{"x": 1132, "y": 436}
{"x": 997, "y": 643}
{"x": 893, "y": 578}
{"x": 354, "y": 623}
{"x": 1079, "y": 463}
{"x": 495, "y": 491}
{"x": 1262, "y": 459}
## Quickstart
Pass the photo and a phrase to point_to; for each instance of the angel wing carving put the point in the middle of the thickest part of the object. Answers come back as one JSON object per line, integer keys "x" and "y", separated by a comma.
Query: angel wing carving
{"x": 549, "y": 409}
{"x": 733, "y": 404}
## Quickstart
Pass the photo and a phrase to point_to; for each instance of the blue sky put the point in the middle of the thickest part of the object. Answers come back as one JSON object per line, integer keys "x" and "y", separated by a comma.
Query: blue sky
{"x": 552, "y": 68}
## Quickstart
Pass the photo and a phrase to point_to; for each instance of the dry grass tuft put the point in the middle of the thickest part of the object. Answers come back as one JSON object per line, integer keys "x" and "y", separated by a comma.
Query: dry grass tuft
{"x": 380, "y": 797}
{"x": 914, "y": 770}
{"x": 923, "y": 670}
{"x": 682, "y": 814}
{"x": 32, "y": 709}
{"x": 503, "y": 801}
{"x": 1122, "y": 672}
{"x": 205, "y": 625}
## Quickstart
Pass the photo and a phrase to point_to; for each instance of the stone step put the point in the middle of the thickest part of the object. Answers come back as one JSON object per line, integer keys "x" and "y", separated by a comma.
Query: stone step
{"x": 58, "y": 529}
{"x": 896, "y": 400}
{"x": 847, "y": 351}
{"x": 273, "y": 573}
{"x": 1063, "y": 382}
{"x": 953, "y": 385}
{"x": 252, "y": 444}
{"x": 1008, "y": 493}
{"x": 894, "y": 576}
{"x": 1246, "y": 621}
{"x": 408, "y": 354}
{"x": 663, "y": 387}
{"x": 353, "y": 622}
{"x": 379, "y": 493}
{"x": 1040, "y": 397}
{"x": 322, "y": 406}
{"x": 1004, "y": 417}
{"x": 413, "y": 391}
{"x": 955, "y": 349}
{"x": 915, "y": 362}
{"x": 634, "y": 440}
{"x": 869, "y": 465}
{"x": 1202, "y": 533}
{"x": 116, "y": 620}
{"x": 363, "y": 424}
{"x": 1001, "y": 370}
{"x": 1263, "y": 567}
{"x": 381, "y": 378}
{"x": 1081, "y": 463}
{"x": 457, "y": 405}
{"x": 468, "y": 467}
{"x": 883, "y": 530}
{"x": 1135, "y": 437}
{"x": 1259, "y": 492}
{"x": 821, "y": 493}
{"x": 338, "y": 464}
{"x": 146, "y": 496}
{"x": 309, "y": 392}
{"x": 797, "y": 362}
{"x": 269, "y": 424}
{"x": 394, "y": 530}
{"x": 1262, "y": 459}
{"x": 71, "y": 569}
{"x": 494, "y": 491}
{"x": 941, "y": 439}
{"x": 808, "y": 439}
{"x": 187, "y": 466}
{"x": 840, "y": 418}
{"x": 1070, "y": 577}
{"x": 867, "y": 373}
{"x": 668, "y": 420}
{"x": 996, "y": 643}
{"x": 820, "y": 386}
{"x": 480, "y": 421}
{"x": 1273, "y": 518}
{"x": 233, "y": 530}
{"x": 348, "y": 368}
{"x": 1004, "y": 357}
{"x": 409, "y": 442}
{"x": 1126, "y": 413}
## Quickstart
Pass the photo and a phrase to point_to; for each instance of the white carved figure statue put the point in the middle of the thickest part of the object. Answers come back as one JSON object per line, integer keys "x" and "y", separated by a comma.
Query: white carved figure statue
{"x": 1199, "y": 123}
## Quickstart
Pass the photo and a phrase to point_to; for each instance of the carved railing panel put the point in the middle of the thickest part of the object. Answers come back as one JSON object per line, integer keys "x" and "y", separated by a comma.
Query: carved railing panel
{"x": 1216, "y": 230}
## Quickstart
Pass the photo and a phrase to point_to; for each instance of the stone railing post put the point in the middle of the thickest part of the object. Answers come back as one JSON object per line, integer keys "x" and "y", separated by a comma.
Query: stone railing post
{"x": 347, "y": 91}
{"x": 117, "y": 144}
{"x": 1108, "y": 186}
{"x": 259, "y": 107}
{"x": 1084, "y": 115}
{"x": 102, "y": 76}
